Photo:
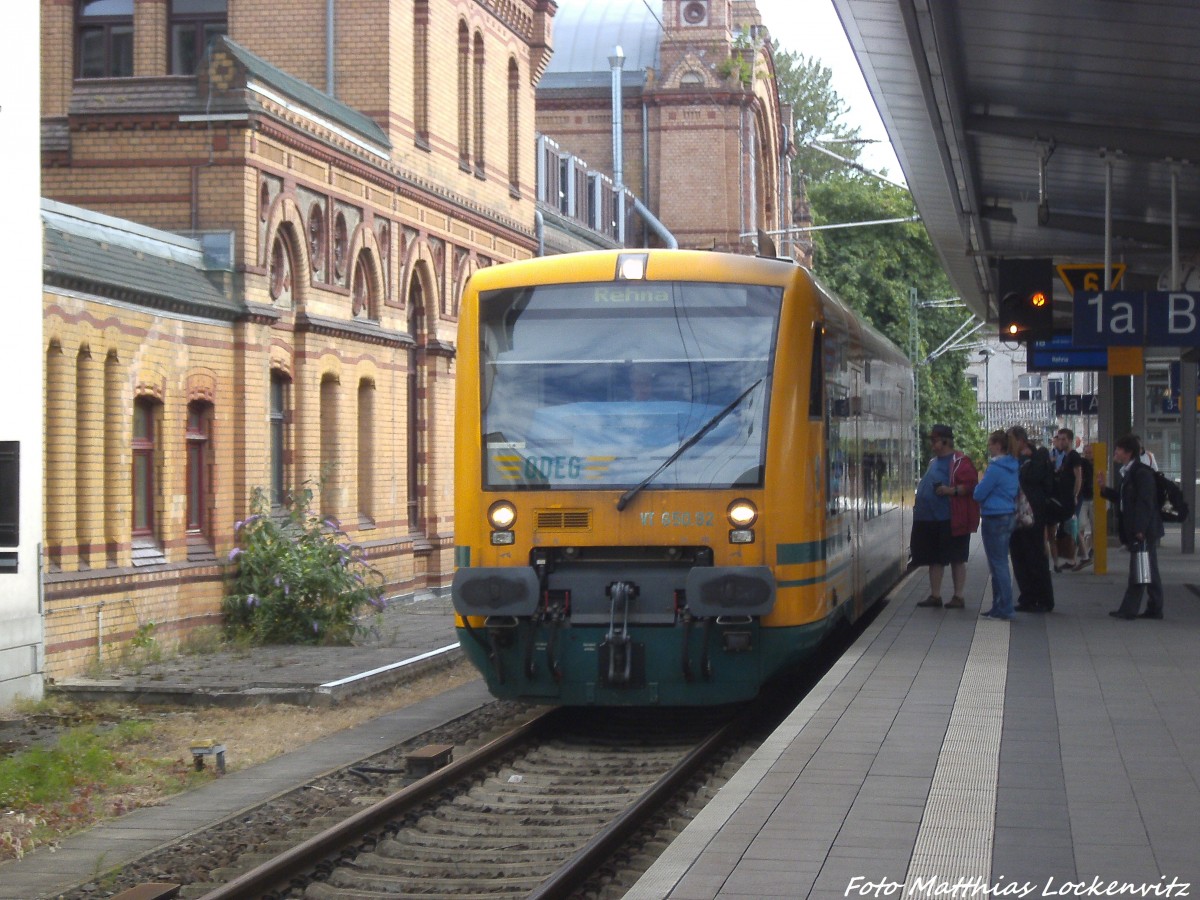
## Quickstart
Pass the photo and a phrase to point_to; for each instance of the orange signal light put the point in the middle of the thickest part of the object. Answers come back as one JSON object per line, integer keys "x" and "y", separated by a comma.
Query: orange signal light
{"x": 1038, "y": 299}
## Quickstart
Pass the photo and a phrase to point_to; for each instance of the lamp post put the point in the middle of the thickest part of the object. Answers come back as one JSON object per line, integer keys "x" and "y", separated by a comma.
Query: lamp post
{"x": 987, "y": 353}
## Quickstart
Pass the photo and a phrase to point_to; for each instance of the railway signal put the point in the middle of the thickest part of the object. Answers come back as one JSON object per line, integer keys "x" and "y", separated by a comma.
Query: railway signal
{"x": 1026, "y": 290}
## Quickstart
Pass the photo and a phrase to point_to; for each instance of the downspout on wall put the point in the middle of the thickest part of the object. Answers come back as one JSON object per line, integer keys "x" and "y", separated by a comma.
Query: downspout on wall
{"x": 645, "y": 150}
{"x": 329, "y": 86}
{"x": 656, "y": 226}
{"x": 617, "y": 62}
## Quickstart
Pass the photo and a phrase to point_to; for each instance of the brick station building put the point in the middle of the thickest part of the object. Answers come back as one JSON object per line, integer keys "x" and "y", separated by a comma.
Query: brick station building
{"x": 283, "y": 312}
{"x": 706, "y": 143}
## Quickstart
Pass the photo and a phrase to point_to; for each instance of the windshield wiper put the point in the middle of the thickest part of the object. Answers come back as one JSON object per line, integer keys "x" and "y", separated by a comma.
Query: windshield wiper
{"x": 685, "y": 446}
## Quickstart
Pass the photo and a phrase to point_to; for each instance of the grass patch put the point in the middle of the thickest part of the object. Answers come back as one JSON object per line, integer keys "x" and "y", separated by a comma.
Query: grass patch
{"x": 93, "y": 771}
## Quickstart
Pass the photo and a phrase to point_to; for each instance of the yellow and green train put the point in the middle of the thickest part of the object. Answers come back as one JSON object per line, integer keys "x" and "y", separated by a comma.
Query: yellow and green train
{"x": 675, "y": 471}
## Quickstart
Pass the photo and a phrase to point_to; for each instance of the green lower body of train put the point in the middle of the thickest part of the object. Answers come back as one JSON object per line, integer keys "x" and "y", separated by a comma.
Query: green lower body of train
{"x": 706, "y": 663}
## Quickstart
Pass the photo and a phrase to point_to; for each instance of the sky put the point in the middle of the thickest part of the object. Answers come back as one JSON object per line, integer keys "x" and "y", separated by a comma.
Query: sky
{"x": 812, "y": 28}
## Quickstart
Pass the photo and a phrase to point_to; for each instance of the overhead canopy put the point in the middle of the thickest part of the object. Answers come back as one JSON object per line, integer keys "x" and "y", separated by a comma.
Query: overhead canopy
{"x": 980, "y": 96}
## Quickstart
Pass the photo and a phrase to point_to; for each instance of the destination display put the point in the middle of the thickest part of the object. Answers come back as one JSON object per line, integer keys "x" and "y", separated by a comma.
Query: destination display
{"x": 1061, "y": 354}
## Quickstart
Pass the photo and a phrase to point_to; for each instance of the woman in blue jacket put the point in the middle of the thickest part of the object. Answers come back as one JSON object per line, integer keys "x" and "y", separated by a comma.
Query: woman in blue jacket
{"x": 996, "y": 494}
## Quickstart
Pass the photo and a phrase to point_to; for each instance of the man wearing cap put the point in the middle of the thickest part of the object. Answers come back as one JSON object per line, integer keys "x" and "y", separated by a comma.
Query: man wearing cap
{"x": 944, "y": 516}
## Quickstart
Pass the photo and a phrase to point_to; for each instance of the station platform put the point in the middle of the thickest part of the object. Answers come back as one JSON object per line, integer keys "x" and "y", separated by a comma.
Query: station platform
{"x": 947, "y": 755}
{"x": 403, "y": 640}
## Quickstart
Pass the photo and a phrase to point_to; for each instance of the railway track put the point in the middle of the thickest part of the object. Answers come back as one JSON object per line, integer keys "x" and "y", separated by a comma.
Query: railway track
{"x": 531, "y": 814}
{"x": 570, "y": 803}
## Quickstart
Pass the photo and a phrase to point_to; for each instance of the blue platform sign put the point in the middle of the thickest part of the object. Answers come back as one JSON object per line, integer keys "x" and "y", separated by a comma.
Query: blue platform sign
{"x": 1110, "y": 319}
{"x": 1175, "y": 389}
{"x": 1171, "y": 319}
{"x": 1077, "y": 405}
{"x": 1137, "y": 319}
{"x": 1060, "y": 354}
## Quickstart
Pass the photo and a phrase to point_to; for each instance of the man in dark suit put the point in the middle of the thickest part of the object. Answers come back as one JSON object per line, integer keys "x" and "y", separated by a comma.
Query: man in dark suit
{"x": 1027, "y": 546}
{"x": 1138, "y": 523}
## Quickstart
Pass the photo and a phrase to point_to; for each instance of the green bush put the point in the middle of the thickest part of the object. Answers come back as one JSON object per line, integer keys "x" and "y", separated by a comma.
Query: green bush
{"x": 298, "y": 578}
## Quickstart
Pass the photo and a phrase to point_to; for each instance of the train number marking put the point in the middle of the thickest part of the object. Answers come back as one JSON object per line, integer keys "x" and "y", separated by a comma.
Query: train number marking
{"x": 699, "y": 519}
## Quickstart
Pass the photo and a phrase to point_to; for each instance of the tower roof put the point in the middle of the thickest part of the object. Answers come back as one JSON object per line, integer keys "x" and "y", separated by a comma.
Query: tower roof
{"x": 585, "y": 33}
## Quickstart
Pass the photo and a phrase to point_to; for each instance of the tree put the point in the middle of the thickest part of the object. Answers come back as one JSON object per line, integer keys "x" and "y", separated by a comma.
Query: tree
{"x": 874, "y": 269}
{"x": 817, "y": 111}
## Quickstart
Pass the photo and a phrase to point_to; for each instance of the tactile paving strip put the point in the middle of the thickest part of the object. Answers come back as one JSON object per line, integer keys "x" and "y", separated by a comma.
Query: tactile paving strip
{"x": 954, "y": 843}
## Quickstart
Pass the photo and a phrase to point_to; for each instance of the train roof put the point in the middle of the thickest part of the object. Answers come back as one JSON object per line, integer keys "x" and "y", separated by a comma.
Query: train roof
{"x": 706, "y": 265}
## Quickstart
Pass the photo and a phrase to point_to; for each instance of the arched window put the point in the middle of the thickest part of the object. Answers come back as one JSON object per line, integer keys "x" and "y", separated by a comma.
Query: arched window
{"x": 416, "y": 312}
{"x": 195, "y": 24}
{"x": 282, "y": 271}
{"x": 330, "y": 439}
{"x": 514, "y": 127}
{"x": 145, "y": 466}
{"x": 366, "y": 452}
{"x": 478, "y": 87}
{"x": 197, "y": 440}
{"x": 464, "y": 96}
{"x": 363, "y": 298}
{"x": 279, "y": 420}
{"x": 421, "y": 72}
{"x": 104, "y": 44}
{"x": 341, "y": 244}
{"x": 316, "y": 236}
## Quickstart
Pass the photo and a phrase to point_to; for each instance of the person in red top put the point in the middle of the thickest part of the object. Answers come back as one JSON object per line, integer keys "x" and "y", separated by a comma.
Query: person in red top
{"x": 944, "y": 517}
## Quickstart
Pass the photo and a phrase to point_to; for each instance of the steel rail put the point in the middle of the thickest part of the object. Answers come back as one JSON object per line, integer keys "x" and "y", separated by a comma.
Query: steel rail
{"x": 306, "y": 856}
{"x": 588, "y": 858}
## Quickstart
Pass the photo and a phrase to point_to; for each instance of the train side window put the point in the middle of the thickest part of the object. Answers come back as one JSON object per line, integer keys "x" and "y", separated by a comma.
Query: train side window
{"x": 816, "y": 381}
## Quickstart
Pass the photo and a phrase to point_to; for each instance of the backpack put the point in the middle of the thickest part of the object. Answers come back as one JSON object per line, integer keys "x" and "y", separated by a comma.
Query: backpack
{"x": 1089, "y": 478}
{"x": 1060, "y": 504}
{"x": 1172, "y": 506}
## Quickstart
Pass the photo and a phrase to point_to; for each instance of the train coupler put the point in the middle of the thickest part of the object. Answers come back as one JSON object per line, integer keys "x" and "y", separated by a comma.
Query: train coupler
{"x": 498, "y": 630}
{"x": 618, "y": 644}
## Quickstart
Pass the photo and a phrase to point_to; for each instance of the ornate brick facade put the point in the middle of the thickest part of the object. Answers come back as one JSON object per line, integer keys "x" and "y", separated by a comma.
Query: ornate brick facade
{"x": 330, "y": 228}
{"x": 706, "y": 141}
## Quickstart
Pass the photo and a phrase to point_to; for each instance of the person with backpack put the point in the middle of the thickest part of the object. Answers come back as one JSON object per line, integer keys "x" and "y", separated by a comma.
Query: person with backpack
{"x": 1139, "y": 525}
{"x": 1027, "y": 546}
{"x": 1068, "y": 482}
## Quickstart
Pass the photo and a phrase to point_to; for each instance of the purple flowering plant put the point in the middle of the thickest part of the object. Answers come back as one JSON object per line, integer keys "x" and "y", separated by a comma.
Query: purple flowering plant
{"x": 296, "y": 578}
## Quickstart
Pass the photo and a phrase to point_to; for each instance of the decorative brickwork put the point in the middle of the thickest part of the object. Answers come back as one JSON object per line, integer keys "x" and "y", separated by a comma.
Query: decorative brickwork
{"x": 706, "y": 144}
{"x": 294, "y": 192}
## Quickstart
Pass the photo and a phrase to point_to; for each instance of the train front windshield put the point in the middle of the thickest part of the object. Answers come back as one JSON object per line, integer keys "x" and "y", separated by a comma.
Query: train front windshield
{"x": 599, "y": 385}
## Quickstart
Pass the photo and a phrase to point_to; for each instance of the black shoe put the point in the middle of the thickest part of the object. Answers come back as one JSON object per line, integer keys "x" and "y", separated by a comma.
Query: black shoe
{"x": 1149, "y": 615}
{"x": 931, "y": 602}
{"x": 1025, "y": 607}
{"x": 1117, "y": 614}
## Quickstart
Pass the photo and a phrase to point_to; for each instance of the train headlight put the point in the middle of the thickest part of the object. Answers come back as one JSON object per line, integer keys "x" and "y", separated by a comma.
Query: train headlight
{"x": 742, "y": 514}
{"x": 501, "y": 515}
